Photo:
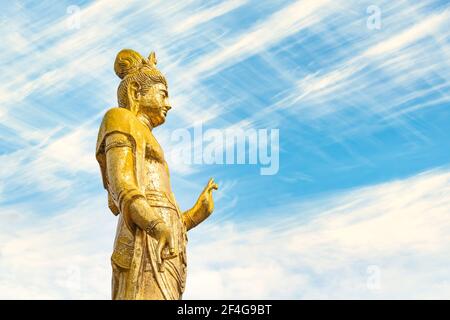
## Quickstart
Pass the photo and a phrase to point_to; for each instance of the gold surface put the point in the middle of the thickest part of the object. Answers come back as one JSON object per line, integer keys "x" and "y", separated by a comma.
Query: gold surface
{"x": 149, "y": 256}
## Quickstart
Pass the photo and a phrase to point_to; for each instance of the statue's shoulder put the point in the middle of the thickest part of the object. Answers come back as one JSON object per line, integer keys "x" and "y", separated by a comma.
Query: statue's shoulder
{"x": 118, "y": 117}
{"x": 118, "y": 120}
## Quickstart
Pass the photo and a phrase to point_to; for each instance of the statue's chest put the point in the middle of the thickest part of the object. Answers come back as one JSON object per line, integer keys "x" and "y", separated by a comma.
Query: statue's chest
{"x": 155, "y": 170}
{"x": 153, "y": 151}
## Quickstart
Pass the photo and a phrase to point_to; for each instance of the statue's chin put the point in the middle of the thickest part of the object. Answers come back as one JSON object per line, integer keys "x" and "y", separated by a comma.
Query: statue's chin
{"x": 159, "y": 121}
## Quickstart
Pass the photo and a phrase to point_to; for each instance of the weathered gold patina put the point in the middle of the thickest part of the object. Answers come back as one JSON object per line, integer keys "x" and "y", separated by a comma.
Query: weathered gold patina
{"x": 149, "y": 257}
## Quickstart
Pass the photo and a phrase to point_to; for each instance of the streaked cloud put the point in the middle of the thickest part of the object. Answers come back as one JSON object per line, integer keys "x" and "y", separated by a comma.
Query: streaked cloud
{"x": 275, "y": 28}
{"x": 363, "y": 126}
{"x": 400, "y": 228}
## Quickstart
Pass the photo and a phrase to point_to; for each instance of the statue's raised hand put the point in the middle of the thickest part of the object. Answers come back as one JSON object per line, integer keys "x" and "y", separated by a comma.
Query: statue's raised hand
{"x": 206, "y": 199}
{"x": 202, "y": 208}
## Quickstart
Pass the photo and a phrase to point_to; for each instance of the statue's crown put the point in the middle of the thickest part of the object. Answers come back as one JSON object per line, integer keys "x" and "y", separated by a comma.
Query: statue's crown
{"x": 129, "y": 61}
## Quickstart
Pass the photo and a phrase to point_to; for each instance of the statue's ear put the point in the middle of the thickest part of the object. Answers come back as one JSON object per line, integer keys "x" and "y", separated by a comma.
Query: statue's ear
{"x": 133, "y": 93}
{"x": 134, "y": 90}
{"x": 152, "y": 59}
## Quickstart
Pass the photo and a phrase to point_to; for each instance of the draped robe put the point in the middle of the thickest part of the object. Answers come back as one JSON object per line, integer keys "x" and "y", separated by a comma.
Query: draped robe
{"x": 134, "y": 264}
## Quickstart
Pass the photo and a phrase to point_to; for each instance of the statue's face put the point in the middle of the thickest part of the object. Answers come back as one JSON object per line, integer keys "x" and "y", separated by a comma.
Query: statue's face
{"x": 154, "y": 103}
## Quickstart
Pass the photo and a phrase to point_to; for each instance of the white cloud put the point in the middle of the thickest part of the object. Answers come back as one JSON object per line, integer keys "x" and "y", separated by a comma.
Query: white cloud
{"x": 401, "y": 227}
{"x": 392, "y": 54}
{"x": 283, "y": 23}
{"x": 349, "y": 100}
{"x": 73, "y": 152}
{"x": 207, "y": 14}
{"x": 427, "y": 27}
{"x": 39, "y": 167}
{"x": 61, "y": 257}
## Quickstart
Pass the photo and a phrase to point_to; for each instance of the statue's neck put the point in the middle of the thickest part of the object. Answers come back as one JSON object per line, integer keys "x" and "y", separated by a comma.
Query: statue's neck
{"x": 145, "y": 120}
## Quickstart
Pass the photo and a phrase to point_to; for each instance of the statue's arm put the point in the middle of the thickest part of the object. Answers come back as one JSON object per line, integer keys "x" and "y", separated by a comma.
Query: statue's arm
{"x": 122, "y": 183}
{"x": 194, "y": 216}
{"x": 132, "y": 203}
{"x": 202, "y": 208}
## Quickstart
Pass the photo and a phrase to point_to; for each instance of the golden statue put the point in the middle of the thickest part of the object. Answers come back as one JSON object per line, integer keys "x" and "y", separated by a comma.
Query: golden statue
{"x": 149, "y": 256}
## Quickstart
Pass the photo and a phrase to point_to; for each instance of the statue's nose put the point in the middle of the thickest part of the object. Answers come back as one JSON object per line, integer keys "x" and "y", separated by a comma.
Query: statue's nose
{"x": 168, "y": 107}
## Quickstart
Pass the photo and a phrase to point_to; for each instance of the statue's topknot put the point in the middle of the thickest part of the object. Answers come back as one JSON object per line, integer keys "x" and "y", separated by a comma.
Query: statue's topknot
{"x": 129, "y": 61}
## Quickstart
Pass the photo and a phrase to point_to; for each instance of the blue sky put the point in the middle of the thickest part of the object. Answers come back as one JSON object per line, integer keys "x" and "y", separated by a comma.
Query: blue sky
{"x": 363, "y": 118}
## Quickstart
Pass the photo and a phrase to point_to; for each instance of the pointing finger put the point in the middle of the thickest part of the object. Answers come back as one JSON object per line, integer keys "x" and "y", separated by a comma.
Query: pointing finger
{"x": 212, "y": 187}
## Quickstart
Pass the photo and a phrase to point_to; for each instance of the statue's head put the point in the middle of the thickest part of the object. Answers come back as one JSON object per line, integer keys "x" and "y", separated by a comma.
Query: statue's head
{"x": 143, "y": 89}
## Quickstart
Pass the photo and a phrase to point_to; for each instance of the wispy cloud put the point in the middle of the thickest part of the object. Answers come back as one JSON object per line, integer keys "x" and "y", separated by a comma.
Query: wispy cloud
{"x": 399, "y": 228}
{"x": 49, "y": 167}
{"x": 275, "y": 28}
{"x": 353, "y": 106}
{"x": 206, "y": 15}
{"x": 60, "y": 257}
{"x": 396, "y": 55}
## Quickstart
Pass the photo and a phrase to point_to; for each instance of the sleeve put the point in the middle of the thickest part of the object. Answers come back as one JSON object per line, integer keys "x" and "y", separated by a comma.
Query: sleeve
{"x": 122, "y": 185}
{"x": 115, "y": 134}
